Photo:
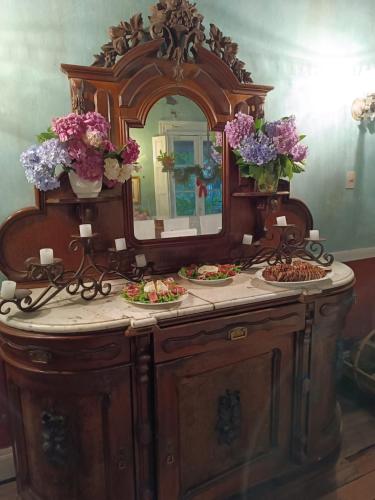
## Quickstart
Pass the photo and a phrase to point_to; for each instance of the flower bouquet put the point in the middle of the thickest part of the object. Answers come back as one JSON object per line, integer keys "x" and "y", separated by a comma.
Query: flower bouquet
{"x": 266, "y": 151}
{"x": 167, "y": 160}
{"x": 80, "y": 145}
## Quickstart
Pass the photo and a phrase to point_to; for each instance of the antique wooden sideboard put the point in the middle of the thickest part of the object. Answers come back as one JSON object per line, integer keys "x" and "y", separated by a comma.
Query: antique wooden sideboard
{"x": 233, "y": 387}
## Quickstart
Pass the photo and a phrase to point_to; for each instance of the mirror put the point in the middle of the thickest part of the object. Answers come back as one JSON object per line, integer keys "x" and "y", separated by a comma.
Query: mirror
{"x": 178, "y": 191}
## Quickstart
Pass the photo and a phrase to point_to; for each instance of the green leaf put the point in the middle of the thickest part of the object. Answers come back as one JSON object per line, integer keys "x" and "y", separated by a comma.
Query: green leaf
{"x": 46, "y": 136}
{"x": 301, "y": 137}
{"x": 298, "y": 168}
{"x": 288, "y": 168}
{"x": 259, "y": 122}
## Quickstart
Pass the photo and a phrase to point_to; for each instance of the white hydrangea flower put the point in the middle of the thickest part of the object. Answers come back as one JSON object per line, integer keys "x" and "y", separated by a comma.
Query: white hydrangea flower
{"x": 93, "y": 138}
{"x": 116, "y": 172}
{"x": 111, "y": 169}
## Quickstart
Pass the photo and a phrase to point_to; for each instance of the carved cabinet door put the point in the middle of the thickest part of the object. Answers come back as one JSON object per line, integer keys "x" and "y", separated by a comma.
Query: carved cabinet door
{"x": 224, "y": 417}
{"x": 73, "y": 434}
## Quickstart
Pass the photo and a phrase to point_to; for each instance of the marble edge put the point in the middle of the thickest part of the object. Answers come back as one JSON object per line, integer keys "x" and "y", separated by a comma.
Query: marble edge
{"x": 151, "y": 318}
{"x": 73, "y": 328}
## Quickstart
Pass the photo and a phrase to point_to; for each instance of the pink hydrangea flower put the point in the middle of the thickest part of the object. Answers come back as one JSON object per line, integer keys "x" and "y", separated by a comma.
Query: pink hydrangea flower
{"x": 218, "y": 139}
{"x": 77, "y": 149}
{"x": 108, "y": 146}
{"x": 95, "y": 121}
{"x": 239, "y": 129}
{"x": 90, "y": 166}
{"x": 284, "y": 134}
{"x": 68, "y": 127}
{"x": 299, "y": 152}
{"x": 131, "y": 152}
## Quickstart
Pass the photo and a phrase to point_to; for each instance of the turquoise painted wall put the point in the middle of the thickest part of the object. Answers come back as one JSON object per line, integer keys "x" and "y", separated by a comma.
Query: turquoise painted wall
{"x": 319, "y": 55}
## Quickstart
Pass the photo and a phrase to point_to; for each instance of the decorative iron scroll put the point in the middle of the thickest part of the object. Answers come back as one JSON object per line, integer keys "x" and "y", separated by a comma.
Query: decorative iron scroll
{"x": 179, "y": 24}
{"x": 292, "y": 245}
{"x": 228, "y": 424}
{"x": 55, "y": 439}
{"x": 82, "y": 281}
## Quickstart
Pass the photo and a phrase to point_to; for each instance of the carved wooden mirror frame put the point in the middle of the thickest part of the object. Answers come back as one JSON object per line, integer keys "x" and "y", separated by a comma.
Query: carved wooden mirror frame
{"x": 139, "y": 66}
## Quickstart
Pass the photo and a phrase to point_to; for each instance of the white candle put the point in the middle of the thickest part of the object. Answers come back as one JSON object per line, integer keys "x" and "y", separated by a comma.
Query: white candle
{"x": 8, "y": 289}
{"x": 120, "y": 244}
{"x": 46, "y": 256}
{"x": 314, "y": 234}
{"x": 247, "y": 239}
{"x": 85, "y": 230}
{"x": 281, "y": 221}
{"x": 141, "y": 260}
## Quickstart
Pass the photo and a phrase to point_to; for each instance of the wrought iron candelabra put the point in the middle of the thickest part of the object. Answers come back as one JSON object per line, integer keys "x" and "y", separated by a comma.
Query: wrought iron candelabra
{"x": 292, "y": 245}
{"x": 87, "y": 281}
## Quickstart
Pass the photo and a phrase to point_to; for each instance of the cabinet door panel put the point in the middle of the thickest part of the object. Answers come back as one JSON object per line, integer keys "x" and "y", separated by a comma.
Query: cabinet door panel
{"x": 73, "y": 434}
{"x": 218, "y": 413}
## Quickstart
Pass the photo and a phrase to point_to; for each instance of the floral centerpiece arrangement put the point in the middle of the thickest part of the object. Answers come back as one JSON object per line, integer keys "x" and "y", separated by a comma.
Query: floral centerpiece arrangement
{"x": 266, "y": 151}
{"x": 80, "y": 145}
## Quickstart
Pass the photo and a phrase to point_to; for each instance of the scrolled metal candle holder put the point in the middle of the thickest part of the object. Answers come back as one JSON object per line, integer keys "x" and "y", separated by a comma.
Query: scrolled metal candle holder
{"x": 87, "y": 280}
{"x": 292, "y": 245}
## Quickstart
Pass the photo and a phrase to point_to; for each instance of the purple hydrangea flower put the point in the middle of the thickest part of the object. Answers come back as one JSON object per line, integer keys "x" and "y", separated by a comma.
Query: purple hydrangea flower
{"x": 284, "y": 134}
{"x": 299, "y": 152}
{"x": 239, "y": 129}
{"x": 258, "y": 149}
{"x": 53, "y": 152}
{"x": 40, "y": 163}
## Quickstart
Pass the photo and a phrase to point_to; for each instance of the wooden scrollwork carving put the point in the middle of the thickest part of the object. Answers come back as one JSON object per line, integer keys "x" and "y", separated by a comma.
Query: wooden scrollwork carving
{"x": 228, "y": 424}
{"x": 178, "y": 24}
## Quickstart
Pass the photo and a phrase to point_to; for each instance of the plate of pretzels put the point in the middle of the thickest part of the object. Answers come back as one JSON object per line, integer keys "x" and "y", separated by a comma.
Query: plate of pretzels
{"x": 298, "y": 273}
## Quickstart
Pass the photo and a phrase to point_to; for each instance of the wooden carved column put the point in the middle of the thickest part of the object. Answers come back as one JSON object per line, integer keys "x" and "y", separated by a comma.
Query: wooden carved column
{"x": 143, "y": 410}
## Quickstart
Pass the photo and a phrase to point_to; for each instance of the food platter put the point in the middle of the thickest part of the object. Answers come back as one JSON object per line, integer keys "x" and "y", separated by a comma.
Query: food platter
{"x": 206, "y": 282}
{"x": 294, "y": 284}
{"x": 158, "y": 304}
{"x": 162, "y": 293}
{"x": 209, "y": 275}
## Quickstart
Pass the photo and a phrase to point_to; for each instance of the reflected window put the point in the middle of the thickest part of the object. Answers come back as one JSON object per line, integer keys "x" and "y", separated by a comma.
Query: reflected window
{"x": 181, "y": 179}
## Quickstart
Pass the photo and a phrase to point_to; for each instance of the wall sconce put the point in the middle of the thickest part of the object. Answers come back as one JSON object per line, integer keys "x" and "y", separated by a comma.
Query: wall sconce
{"x": 364, "y": 109}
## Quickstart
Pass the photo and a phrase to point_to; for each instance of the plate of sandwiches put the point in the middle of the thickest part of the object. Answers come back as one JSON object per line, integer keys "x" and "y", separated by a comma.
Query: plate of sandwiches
{"x": 298, "y": 273}
{"x": 209, "y": 274}
{"x": 160, "y": 293}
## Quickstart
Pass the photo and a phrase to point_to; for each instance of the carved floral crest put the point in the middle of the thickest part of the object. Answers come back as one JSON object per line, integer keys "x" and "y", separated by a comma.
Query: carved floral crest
{"x": 179, "y": 24}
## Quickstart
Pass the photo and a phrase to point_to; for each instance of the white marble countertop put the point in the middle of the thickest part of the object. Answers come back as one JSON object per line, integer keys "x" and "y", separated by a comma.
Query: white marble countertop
{"x": 73, "y": 314}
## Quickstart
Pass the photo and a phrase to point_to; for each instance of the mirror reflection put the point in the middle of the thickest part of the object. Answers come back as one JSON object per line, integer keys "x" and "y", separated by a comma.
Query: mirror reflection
{"x": 179, "y": 188}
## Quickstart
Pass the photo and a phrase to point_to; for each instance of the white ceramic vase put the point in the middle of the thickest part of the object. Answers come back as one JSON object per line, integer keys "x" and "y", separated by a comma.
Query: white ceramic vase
{"x": 84, "y": 188}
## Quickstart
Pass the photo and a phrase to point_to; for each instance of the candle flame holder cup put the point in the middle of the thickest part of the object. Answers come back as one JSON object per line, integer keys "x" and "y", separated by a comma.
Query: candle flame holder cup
{"x": 87, "y": 280}
{"x": 292, "y": 245}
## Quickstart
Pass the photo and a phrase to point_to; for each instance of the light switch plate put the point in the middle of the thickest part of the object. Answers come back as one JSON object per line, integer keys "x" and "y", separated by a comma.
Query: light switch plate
{"x": 350, "y": 179}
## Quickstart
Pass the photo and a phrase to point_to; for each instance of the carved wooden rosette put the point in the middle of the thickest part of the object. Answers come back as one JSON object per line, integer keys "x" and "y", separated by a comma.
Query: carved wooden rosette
{"x": 179, "y": 25}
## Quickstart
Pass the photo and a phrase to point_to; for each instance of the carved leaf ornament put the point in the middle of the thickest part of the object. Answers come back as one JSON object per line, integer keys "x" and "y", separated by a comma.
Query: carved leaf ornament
{"x": 179, "y": 24}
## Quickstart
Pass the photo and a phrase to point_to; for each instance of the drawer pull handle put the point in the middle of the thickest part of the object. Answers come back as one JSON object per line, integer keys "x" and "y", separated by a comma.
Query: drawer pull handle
{"x": 238, "y": 333}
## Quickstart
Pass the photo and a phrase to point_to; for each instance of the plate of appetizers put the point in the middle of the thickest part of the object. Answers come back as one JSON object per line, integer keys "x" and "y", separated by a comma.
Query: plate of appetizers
{"x": 209, "y": 274}
{"x": 159, "y": 293}
{"x": 298, "y": 273}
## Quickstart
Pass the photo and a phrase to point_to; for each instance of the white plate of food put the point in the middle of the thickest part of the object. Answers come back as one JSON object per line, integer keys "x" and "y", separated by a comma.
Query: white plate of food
{"x": 160, "y": 293}
{"x": 209, "y": 275}
{"x": 289, "y": 275}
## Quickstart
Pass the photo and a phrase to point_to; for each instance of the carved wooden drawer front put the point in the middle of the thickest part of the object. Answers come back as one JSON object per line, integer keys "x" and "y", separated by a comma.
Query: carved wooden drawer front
{"x": 66, "y": 352}
{"x": 174, "y": 342}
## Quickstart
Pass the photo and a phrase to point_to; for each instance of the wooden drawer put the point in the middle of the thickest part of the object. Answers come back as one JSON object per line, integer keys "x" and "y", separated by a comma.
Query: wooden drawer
{"x": 64, "y": 353}
{"x": 202, "y": 336}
